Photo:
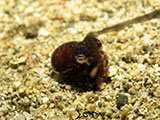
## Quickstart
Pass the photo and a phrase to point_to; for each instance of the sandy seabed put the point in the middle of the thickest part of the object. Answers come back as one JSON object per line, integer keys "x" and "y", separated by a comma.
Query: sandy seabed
{"x": 30, "y": 30}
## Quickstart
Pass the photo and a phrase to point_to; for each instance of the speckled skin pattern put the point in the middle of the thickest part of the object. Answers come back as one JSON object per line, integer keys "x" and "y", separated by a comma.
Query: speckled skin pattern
{"x": 83, "y": 63}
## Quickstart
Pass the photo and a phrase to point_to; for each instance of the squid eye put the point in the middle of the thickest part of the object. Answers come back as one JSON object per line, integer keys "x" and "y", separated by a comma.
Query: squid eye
{"x": 80, "y": 58}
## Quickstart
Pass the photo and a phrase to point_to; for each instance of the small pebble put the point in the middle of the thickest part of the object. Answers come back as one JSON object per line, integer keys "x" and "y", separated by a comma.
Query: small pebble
{"x": 45, "y": 99}
{"x": 124, "y": 115}
{"x": 25, "y": 101}
{"x": 91, "y": 107}
{"x": 121, "y": 100}
{"x": 112, "y": 71}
